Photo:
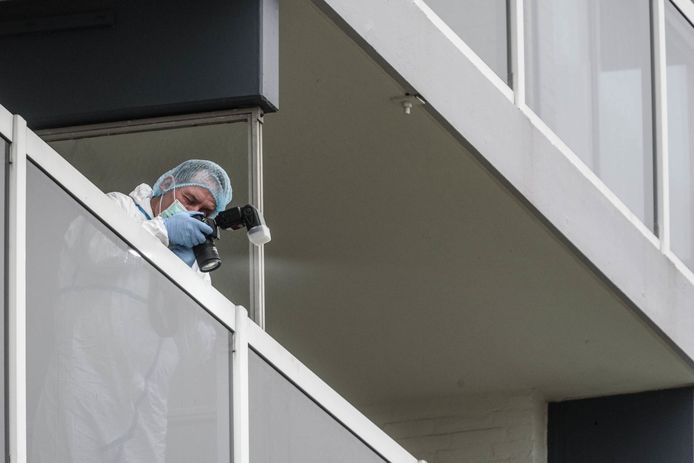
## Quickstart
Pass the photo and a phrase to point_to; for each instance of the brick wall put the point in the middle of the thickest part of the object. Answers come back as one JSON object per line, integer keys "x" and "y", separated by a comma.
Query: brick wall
{"x": 479, "y": 428}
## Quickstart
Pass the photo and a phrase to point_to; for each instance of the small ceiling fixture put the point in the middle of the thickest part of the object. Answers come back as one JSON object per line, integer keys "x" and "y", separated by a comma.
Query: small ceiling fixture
{"x": 408, "y": 101}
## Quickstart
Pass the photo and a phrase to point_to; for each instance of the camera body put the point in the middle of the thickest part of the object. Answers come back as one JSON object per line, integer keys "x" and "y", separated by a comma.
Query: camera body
{"x": 207, "y": 255}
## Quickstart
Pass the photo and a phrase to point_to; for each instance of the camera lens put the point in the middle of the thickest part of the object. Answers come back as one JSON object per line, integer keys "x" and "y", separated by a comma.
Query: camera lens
{"x": 210, "y": 265}
{"x": 207, "y": 256}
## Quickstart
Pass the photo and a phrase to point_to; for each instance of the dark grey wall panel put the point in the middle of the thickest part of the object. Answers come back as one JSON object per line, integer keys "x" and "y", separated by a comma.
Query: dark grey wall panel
{"x": 83, "y": 61}
{"x": 650, "y": 427}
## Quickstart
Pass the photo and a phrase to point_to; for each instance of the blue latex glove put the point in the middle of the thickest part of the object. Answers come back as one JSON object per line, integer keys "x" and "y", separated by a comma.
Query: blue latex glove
{"x": 185, "y": 230}
{"x": 185, "y": 254}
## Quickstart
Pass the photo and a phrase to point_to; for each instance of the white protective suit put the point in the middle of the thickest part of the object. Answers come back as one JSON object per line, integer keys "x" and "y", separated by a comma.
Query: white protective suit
{"x": 121, "y": 330}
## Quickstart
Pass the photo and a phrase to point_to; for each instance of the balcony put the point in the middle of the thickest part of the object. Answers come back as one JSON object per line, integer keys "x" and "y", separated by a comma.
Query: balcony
{"x": 118, "y": 352}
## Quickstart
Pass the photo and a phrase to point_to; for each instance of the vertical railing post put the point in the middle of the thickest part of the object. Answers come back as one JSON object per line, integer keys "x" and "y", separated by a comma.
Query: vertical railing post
{"x": 517, "y": 50}
{"x": 255, "y": 168}
{"x": 16, "y": 292}
{"x": 223, "y": 360}
{"x": 239, "y": 390}
{"x": 660, "y": 124}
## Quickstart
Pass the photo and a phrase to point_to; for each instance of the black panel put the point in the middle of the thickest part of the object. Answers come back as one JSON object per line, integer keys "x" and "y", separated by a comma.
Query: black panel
{"x": 651, "y": 427}
{"x": 79, "y": 62}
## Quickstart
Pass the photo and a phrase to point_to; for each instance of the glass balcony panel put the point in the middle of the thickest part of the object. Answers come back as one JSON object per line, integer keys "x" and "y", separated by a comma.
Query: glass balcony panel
{"x": 482, "y": 24}
{"x": 287, "y": 426}
{"x": 588, "y": 73}
{"x": 122, "y": 365}
{"x": 680, "y": 90}
{"x": 121, "y": 162}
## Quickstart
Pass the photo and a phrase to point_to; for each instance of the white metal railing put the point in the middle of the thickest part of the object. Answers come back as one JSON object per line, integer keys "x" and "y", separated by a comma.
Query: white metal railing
{"x": 686, "y": 7}
{"x": 26, "y": 146}
{"x": 16, "y": 290}
{"x": 517, "y": 95}
{"x": 6, "y": 123}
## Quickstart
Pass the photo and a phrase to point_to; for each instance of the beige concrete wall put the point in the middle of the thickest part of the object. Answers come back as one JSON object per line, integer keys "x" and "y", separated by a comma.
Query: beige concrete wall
{"x": 478, "y": 428}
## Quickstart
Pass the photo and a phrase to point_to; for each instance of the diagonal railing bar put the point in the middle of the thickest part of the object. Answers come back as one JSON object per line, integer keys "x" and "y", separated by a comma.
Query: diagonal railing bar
{"x": 5, "y": 124}
{"x": 686, "y": 7}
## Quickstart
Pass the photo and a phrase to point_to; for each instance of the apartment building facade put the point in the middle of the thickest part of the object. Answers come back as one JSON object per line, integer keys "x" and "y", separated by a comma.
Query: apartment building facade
{"x": 482, "y": 237}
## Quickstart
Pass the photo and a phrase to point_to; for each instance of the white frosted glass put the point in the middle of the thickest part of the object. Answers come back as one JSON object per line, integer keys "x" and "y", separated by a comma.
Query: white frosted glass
{"x": 588, "y": 72}
{"x": 288, "y": 427}
{"x": 122, "y": 365}
{"x": 482, "y": 24}
{"x": 680, "y": 90}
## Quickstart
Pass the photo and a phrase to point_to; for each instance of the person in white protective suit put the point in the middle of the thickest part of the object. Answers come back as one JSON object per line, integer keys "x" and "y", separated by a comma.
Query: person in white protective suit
{"x": 119, "y": 333}
{"x": 195, "y": 187}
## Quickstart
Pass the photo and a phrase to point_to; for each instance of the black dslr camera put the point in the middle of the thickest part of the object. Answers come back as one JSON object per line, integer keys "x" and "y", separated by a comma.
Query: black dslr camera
{"x": 206, "y": 254}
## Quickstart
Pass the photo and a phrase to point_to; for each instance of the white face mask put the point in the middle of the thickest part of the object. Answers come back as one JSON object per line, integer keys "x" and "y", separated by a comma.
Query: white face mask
{"x": 173, "y": 209}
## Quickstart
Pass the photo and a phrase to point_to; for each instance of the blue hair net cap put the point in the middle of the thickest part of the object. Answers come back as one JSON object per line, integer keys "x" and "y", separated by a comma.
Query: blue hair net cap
{"x": 202, "y": 173}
